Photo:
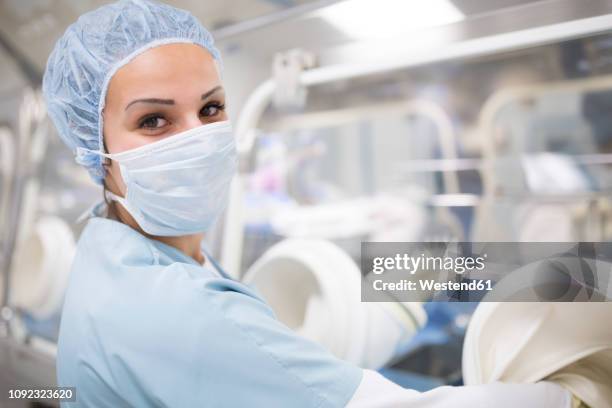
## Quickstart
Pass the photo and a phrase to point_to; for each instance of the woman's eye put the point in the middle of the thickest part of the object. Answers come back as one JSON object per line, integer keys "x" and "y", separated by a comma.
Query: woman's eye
{"x": 153, "y": 122}
{"x": 212, "y": 109}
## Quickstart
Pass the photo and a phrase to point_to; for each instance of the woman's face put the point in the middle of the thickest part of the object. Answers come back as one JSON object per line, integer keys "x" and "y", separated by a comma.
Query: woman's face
{"x": 163, "y": 91}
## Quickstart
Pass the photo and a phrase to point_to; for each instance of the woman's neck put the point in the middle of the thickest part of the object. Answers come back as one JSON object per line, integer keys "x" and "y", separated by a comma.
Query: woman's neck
{"x": 187, "y": 244}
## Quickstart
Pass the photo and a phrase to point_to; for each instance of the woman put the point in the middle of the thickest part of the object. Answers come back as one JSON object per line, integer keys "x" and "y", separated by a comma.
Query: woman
{"x": 134, "y": 89}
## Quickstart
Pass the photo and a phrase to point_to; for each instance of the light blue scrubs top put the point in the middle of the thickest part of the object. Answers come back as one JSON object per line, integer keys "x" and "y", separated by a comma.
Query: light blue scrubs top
{"x": 144, "y": 325}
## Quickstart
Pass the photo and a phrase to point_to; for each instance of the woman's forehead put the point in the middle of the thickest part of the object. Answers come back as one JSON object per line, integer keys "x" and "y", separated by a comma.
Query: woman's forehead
{"x": 169, "y": 70}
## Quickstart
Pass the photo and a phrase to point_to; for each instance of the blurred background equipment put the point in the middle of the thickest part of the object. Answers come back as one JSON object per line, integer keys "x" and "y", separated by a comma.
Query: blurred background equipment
{"x": 445, "y": 120}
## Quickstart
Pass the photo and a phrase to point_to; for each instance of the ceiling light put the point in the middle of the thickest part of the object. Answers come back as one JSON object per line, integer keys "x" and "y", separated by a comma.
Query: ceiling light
{"x": 364, "y": 19}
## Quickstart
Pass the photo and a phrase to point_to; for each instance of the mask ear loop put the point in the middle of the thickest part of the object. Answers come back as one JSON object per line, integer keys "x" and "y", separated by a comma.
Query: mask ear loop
{"x": 106, "y": 191}
{"x": 110, "y": 198}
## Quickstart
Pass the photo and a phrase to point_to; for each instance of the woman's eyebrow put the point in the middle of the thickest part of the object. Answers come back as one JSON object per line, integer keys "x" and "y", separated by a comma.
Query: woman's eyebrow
{"x": 212, "y": 91}
{"x": 171, "y": 101}
{"x": 151, "y": 100}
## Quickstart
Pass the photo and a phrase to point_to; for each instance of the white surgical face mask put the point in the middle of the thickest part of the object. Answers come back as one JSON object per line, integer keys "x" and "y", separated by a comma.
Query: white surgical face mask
{"x": 179, "y": 185}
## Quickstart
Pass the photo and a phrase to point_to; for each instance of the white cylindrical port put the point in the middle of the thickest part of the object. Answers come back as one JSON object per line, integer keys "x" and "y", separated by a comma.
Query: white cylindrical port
{"x": 314, "y": 288}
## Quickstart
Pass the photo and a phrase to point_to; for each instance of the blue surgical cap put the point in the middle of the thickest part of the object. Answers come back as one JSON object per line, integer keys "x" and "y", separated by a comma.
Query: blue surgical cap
{"x": 89, "y": 53}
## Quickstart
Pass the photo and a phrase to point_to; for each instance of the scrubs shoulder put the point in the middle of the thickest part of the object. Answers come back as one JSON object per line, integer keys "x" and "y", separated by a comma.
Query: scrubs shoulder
{"x": 144, "y": 325}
